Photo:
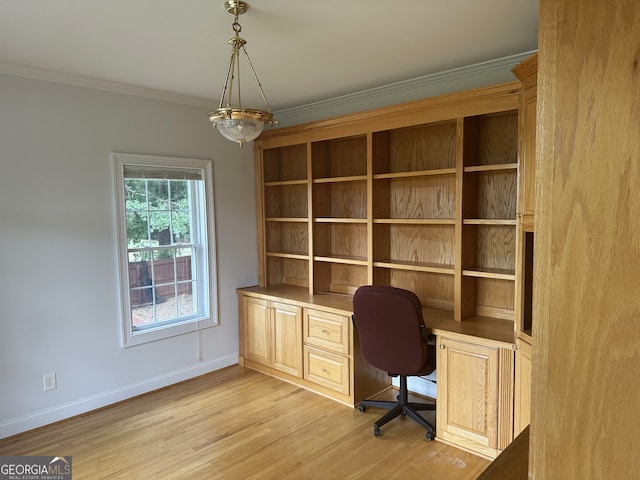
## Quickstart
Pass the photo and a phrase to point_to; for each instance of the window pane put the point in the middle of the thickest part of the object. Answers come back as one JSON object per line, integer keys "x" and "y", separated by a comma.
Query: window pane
{"x": 135, "y": 194}
{"x": 139, "y": 271}
{"x": 166, "y": 308}
{"x": 164, "y": 273}
{"x": 158, "y": 194}
{"x": 181, "y": 224}
{"x": 184, "y": 264}
{"x": 142, "y": 307}
{"x": 137, "y": 229}
{"x": 181, "y": 213}
{"x": 179, "y": 194}
{"x": 186, "y": 305}
{"x": 159, "y": 223}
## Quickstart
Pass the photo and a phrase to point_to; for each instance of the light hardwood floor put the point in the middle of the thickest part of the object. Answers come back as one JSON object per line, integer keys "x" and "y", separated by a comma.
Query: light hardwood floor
{"x": 239, "y": 424}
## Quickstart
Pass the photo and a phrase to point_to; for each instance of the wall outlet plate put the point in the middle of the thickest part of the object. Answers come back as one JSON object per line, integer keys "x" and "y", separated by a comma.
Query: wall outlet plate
{"x": 49, "y": 381}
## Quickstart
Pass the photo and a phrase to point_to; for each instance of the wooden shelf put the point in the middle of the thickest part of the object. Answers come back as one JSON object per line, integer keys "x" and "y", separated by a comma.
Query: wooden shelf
{"x": 415, "y": 221}
{"x": 357, "y": 178}
{"x": 489, "y": 221}
{"x": 280, "y": 183}
{"x": 297, "y": 256}
{"x": 419, "y": 173}
{"x": 343, "y": 260}
{"x": 339, "y": 220}
{"x": 490, "y": 273}
{"x": 287, "y": 219}
{"x": 491, "y": 168}
{"x": 416, "y": 266}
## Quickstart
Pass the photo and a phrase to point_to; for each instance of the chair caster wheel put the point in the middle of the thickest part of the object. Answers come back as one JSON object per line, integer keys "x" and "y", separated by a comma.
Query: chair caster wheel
{"x": 362, "y": 408}
{"x": 430, "y": 436}
{"x": 376, "y": 432}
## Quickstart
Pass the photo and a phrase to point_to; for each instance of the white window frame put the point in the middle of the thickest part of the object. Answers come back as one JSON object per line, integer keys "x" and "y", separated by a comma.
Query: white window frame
{"x": 207, "y": 264}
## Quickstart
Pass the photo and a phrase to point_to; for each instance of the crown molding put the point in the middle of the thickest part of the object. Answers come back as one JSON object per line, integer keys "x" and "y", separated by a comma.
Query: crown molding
{"x": 462, "y": 78}
{"x": 115, "y": 87}
{"x": 448, "y": 81}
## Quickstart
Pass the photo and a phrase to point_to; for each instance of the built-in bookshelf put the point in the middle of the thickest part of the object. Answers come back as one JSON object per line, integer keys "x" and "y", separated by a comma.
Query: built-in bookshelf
{"x": 425, "y": 201}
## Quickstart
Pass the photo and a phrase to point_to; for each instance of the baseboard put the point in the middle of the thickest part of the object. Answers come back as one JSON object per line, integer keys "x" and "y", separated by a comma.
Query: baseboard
{"x": 420, "y": 385}
{"x": 83, "y": 405}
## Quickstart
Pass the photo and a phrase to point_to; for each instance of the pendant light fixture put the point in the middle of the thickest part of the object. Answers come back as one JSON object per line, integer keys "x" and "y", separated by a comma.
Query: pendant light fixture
{"x": 239, "y": 124}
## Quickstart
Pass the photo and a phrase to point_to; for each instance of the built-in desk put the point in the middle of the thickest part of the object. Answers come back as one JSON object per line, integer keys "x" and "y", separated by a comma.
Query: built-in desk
{"x": 309, "y": 339}
{"x": 439, "y": 322}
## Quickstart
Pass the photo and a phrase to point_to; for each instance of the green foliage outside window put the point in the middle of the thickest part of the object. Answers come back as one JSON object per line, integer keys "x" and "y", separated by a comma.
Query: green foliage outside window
{"x": 157, "y": 214}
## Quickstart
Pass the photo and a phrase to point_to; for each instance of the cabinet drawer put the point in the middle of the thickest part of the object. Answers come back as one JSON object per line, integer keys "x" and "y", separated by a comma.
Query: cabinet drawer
{"x": 327, "y": 369}
{"x": 328, "y": 331}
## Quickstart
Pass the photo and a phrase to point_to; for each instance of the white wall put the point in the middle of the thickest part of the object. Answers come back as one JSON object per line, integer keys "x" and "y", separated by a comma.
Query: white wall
{"x": 58, "y": 273}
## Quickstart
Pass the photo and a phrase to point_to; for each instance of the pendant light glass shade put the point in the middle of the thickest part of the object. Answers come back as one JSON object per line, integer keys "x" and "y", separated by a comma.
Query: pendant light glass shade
{"x": 239, "y": 124}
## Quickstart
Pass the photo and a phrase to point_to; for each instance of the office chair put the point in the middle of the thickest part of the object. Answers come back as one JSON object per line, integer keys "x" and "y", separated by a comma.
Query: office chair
{"x": 393, "y": 338}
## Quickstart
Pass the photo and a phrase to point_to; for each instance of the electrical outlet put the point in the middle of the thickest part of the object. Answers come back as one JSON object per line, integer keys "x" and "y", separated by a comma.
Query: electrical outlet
{"x": 49, "y": 380}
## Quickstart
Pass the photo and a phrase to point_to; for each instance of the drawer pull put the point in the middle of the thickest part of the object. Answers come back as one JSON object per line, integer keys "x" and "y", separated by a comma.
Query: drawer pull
{"x": 324, "y": 370}
{"x": 324, "y": 330}
{"x": 442, "y": 346}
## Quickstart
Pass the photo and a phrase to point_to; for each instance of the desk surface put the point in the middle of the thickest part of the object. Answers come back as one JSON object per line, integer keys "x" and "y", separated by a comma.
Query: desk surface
{"x": 438, "y": 321}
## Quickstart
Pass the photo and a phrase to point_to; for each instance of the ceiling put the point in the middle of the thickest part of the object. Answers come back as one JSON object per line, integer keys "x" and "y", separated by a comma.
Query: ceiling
{"x": 303, "y": 51}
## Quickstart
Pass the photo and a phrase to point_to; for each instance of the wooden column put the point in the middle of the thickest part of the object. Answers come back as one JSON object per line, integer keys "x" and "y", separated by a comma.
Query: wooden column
{"x": 586, "y": 358}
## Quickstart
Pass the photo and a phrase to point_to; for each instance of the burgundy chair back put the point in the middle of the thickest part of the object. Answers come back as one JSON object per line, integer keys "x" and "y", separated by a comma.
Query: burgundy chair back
{"x": 390, "y": 328}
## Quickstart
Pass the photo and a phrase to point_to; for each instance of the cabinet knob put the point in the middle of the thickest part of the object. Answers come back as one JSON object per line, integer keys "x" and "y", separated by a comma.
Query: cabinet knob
{"x": 443, "y": 346}
{"x": 324, "y": 370}
{"x": 324, "y": 330}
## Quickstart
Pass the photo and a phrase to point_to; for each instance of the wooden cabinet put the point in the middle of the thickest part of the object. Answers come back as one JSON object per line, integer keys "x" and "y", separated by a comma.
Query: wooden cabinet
{"x": 273, "y": 335}
{"x": 327, "y": 350}
{"x": 426, "y": 196}
{"x": 527, "y": 73}
{"x": 308, "y": 340}
{"x": 522, "y": 394}
{"x": 475, "y": 383}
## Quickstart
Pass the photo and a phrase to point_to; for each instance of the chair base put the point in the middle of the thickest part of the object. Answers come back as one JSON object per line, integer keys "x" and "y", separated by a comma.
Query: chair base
{"x": 401, "y": 407}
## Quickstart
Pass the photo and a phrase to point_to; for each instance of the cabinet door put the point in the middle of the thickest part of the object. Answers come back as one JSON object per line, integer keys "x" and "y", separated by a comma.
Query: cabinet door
{"x": 287, "y": 338}
{"x": 470, "y": 395}
{"x": 257, "y": 330}
{"x": 522, "y": 398}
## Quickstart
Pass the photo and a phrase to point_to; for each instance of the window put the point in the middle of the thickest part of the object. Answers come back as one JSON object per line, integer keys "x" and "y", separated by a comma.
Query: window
{"x": 165, "y": 246}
